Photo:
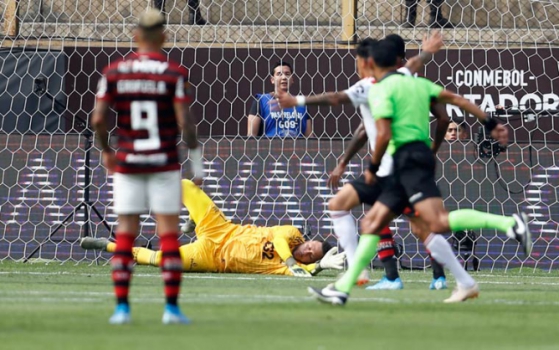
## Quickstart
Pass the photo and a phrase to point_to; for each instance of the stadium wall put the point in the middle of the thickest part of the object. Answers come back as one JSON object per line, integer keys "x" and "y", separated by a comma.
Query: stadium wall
{"x": 226, "y": 78}
{"x": 269, "y": 182}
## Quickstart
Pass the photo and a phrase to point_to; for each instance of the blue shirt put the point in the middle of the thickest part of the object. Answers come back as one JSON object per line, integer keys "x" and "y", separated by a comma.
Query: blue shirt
{"x": 282, "y": 123}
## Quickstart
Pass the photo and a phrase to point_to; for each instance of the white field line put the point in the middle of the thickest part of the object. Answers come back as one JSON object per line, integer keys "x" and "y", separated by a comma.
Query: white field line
{"x": 278, "y": 278}
{"x": 86, "y": 297}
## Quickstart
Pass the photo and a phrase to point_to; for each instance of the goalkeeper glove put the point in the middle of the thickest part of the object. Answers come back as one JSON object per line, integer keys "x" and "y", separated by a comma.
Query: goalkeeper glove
{"x": 295, "y": 269}
{"x": 330, "y": 260}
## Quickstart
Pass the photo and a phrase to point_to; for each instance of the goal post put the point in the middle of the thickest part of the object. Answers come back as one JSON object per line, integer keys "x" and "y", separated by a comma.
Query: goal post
{"x": 502, "y": 52}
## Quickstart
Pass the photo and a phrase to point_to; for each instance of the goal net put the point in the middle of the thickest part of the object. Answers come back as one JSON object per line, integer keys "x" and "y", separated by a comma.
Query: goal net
{"x": 52, "y": 51}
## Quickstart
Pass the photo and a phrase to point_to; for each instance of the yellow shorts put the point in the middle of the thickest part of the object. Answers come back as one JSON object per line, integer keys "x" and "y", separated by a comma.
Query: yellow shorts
{"x": 199, "y": 257}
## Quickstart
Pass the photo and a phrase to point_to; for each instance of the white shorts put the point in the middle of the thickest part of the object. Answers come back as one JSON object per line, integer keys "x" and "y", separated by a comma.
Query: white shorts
{"x": 138, "y": 193}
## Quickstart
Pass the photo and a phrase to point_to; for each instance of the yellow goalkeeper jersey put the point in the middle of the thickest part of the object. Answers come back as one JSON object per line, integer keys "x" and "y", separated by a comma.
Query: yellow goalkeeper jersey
{"x": 252, "y": 249}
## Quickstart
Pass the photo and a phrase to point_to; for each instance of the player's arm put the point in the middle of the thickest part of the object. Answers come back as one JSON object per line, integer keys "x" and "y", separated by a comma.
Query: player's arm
{"x": 254, "y": 120}
{"x": 430, "y": 46}
{"x": 186, "y": 124}
{"x": 498, "y": 131}
{"x": 382, "y": 109}
{"x": 439, "y": 111}
{"x": 286, "y": 100}
{"x": 99, "y": 122}
{"x": 384, "y": 135}
{"x": 357, "y": 142}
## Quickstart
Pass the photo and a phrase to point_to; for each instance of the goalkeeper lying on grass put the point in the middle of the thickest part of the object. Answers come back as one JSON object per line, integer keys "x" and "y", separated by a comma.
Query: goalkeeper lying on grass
{"x": 225, "y": 247}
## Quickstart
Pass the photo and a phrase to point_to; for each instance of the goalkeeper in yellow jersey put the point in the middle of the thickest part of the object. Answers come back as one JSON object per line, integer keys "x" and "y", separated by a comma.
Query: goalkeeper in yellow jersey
{"x": 225, "y": 247}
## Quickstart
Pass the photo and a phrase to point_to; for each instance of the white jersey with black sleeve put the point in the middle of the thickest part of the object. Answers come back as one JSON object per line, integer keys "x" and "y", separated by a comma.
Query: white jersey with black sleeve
{"x": 358, "y": 94}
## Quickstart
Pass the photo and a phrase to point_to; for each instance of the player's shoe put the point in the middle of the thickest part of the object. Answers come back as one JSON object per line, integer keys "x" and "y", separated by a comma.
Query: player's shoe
{"x": 386, "y": 284}
{"x": 438, "y": 284}
{"x": 462, "y": 294}
{"x": 173, "y": 315}
{"x": 121, "y": 315}
{"x": 329, "y": 295}
{"x": 363, "y": 278}
{"x": 521, "y": 232}
{"x": 188, "y": 227}
{"x": 94, "y": 243}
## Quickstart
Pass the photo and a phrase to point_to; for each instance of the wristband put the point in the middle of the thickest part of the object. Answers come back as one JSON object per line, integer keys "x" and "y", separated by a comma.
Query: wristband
{"x": 301, "y": 100}
{"x": 290, "y": 261}
{"x": 490, "y": 123}
{"x": 373, "y": 168}
{"x": 196, "y": 163}
{"x": 317, "y": 269}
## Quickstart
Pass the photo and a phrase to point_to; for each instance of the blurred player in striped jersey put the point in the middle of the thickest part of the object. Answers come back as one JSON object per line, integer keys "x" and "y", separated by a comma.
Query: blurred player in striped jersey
{"x": 149, "y": 94}
{"x": 358, "y": 192}
{"x": 224, "y": 247}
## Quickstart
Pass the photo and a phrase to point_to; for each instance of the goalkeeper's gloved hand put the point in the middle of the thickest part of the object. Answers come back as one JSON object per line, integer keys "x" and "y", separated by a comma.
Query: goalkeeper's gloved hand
{"x": 332, "y": 260}
{"x": 295, "y": 269}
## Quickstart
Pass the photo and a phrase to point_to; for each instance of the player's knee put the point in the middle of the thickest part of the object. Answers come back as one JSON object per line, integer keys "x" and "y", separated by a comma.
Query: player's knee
{"x": 370, "y": 226}
{"x": 440, "y": 224}
{"x": 335, "y": 204}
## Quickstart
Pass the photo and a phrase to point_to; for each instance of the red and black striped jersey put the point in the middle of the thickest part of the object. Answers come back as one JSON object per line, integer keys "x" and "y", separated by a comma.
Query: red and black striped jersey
{"x": 142, "y": 89}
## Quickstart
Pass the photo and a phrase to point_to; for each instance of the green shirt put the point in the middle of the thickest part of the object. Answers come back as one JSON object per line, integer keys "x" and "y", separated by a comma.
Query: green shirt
{"x": 406, "y": 101}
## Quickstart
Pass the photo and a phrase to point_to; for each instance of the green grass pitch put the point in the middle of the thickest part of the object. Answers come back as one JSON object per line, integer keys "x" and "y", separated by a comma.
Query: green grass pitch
{"x": 53, "y": 306}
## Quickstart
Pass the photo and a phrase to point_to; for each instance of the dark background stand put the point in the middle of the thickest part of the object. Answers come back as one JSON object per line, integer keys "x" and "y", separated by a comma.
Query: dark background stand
{"x": 40, "y": 89}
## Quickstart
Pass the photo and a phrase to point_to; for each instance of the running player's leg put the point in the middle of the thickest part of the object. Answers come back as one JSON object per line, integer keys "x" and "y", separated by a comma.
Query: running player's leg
{"x": 344, "y": 224}
{"x": 351, "y": 195}
{"x": 418, "y": 177}
{"x": 442, "y": 251}
{"x": 432, "y": 211}
{"x": 164, "y": 191}
{"x": 376, "y": 219}
{"x": 420, "y": 229}
{"x": 129, "y": 201}
{"x": 416, "y": 165}
{"x": 372, "y": 224}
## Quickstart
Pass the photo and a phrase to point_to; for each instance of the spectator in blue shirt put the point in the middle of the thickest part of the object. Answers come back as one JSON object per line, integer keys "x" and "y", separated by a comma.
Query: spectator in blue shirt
{"x": 264, "y": 119}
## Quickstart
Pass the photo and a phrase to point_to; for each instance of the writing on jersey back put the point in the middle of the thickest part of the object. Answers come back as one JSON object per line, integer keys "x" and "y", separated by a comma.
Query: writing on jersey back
{"x": 142, "y": 88}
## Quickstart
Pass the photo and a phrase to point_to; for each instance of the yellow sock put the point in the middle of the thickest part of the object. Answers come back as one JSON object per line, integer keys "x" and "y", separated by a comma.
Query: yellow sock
{"x": 144, "y": 256}
{"x": 111, "y": 247}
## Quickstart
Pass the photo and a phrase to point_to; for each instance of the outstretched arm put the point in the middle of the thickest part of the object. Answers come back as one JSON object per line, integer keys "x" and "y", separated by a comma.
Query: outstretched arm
{"x": 286, "y": 100}
{"x": 498, "y": 131}
{"x": 430, "y": 46}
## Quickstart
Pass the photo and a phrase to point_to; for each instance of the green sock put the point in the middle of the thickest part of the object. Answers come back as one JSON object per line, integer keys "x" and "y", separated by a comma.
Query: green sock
{"x": 365, "y": 252}
{"x": 469, "y": 219}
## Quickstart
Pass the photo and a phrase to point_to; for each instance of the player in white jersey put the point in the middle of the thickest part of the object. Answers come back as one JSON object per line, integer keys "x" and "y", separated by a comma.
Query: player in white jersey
{"x": 357, "y": 191}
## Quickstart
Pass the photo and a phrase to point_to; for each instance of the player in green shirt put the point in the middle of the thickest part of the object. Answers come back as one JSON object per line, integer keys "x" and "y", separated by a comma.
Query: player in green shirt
{"x": 400, "y": 106}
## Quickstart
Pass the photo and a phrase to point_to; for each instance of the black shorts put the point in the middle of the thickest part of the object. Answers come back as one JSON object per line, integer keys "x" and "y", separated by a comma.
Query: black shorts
{"x": 413, "y": 180}
{"x": 368, "y": 194}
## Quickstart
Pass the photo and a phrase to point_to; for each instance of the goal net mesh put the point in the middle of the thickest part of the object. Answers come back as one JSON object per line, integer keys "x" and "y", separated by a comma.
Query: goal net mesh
{"x": 500, "y": 52}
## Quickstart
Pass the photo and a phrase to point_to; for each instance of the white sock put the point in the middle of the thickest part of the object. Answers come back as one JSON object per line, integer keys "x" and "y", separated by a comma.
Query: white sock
{"x": 442, "y": 252}
{"x": 346, "y": 231}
